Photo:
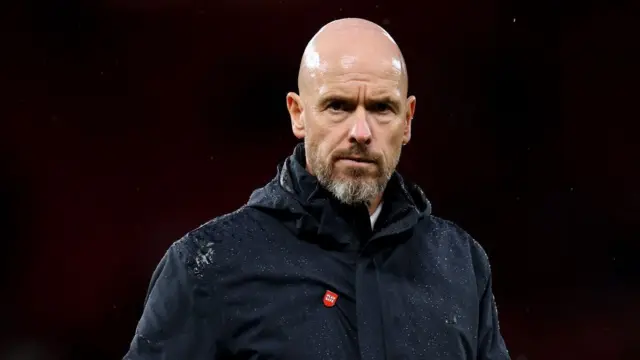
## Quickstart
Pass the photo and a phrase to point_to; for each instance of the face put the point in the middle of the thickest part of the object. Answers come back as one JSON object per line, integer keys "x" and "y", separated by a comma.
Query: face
{"x": 354, "y": 118}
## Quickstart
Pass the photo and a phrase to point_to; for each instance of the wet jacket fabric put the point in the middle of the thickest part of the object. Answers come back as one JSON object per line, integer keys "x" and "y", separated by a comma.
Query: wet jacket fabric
{"x": 296, "y": 275}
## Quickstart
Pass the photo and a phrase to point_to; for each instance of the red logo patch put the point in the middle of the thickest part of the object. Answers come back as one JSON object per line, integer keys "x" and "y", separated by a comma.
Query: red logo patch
{"x": 330, "y": 298}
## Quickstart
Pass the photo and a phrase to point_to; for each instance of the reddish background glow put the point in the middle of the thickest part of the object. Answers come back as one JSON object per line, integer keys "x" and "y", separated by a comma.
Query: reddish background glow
{"x": 127, "y": 123}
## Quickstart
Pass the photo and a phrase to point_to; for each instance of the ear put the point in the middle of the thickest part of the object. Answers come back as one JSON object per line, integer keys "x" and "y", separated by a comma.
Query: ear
{"x": 296, "y": 109}
{"x": 411, "y": 110}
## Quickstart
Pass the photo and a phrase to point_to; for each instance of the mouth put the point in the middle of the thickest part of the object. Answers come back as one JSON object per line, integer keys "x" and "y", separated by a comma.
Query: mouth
{"x": 356, "y": 160}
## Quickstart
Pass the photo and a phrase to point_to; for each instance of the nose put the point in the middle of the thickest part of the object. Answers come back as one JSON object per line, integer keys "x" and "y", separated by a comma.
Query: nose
{"x": 360, "y": 131}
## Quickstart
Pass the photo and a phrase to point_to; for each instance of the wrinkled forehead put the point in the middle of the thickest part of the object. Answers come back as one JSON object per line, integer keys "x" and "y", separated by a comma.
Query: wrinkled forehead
{"x": 345, "y": 67}
{"x": 341, "y": 61}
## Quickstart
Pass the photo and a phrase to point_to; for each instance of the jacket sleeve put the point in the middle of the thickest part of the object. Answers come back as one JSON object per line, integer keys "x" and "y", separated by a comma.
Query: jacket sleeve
{"x": 179, "y": 319}
{"x": 491, "y": 345}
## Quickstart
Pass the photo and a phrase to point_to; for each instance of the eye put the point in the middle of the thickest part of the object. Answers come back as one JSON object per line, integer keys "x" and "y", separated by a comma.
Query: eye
{"x": 337, "y": 106}
{"x": 382, "y": 107}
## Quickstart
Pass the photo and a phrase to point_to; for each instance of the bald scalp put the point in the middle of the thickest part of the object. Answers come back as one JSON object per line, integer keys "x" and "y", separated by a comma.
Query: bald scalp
{"x": 349, "y": 39}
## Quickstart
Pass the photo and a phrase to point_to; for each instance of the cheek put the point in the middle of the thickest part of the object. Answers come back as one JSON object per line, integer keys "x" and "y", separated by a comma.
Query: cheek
{"x": 323, "y": 140}
{"x": 393, "y": 142}
{"x": 397, "y": 136}
{"x": 316, "y": 144}
{"x": 397, "y": 133}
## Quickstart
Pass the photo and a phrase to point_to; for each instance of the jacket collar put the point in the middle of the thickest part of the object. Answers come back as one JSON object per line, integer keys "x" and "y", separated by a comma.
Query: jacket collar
{"x": 323, "y": 215}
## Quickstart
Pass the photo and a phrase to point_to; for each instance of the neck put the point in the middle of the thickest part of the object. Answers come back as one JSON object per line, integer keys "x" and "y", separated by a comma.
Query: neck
{"x": 374, "y": 204}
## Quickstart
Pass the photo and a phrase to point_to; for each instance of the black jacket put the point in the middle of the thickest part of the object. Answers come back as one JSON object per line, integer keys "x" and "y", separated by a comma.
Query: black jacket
{"x": 258, "y": 283}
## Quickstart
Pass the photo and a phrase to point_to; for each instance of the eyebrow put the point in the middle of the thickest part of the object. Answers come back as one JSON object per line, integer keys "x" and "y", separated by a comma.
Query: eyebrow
{"x": 336, "y": 96}
{"x": 386, "y": 99}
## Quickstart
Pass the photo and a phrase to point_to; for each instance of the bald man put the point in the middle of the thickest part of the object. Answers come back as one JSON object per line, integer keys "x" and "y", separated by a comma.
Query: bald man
{"x": 338, "y": 257}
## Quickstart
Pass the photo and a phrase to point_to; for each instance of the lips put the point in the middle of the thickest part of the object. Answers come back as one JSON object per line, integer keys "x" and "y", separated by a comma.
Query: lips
{"x": 358, "y": 160}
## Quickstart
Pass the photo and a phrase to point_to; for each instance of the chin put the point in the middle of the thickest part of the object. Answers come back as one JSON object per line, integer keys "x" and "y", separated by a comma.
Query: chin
{"x": 354, "y": 172}
{"x": 352, "y": 192}
{"x": 353, "y": 177}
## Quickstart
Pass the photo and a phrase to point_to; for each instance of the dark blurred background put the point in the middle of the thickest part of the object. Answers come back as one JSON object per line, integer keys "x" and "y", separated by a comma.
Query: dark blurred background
{"x": 126, "y": 123}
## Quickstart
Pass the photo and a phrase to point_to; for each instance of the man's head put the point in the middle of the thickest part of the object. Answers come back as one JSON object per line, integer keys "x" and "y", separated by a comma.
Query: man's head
{"x": 352, "y": 109}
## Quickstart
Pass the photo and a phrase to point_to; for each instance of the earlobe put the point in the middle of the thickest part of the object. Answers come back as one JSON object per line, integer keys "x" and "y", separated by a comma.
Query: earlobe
{"x": 294, "y": 106}
{"x": 406, "y": 137}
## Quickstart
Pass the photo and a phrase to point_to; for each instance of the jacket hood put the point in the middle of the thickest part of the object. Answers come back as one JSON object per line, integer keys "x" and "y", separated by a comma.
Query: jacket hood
{"x": 296, "y": 198}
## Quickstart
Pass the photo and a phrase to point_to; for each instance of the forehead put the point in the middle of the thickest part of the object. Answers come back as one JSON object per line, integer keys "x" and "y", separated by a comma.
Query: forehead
{"x": 349, "y": 73}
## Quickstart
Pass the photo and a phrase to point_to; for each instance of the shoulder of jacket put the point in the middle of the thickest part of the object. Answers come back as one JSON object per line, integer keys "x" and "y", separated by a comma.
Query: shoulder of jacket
{"x": 214, "y": 242}
{"x": 456, "y": 236}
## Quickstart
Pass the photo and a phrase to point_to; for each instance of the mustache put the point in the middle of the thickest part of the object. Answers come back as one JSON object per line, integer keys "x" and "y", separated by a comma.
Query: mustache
{"x": 357, "y": 152}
